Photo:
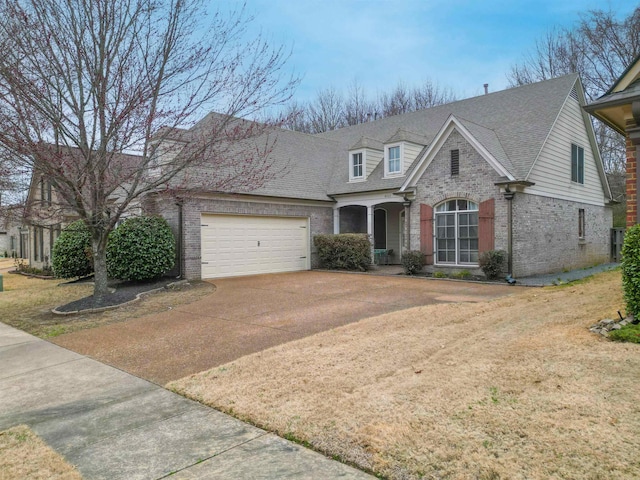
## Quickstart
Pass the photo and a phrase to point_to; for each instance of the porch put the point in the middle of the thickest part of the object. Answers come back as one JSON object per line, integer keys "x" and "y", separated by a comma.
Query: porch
{"x": 384, "y": 221}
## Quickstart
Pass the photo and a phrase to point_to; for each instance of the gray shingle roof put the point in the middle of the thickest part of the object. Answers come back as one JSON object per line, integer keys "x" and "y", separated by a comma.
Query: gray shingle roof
{"x": 512, "y": 124}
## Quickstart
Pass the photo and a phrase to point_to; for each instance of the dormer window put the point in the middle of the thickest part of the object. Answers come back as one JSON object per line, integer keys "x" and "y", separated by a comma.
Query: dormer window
{"x": 356, "y": 165}
{"x": 394, "y": 160}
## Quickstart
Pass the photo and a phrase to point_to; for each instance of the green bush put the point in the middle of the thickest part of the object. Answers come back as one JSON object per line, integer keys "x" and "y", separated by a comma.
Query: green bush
{"x": 344, "y": 251}
{"x": 631, "y": 269}
{"x": 71, "y": 255}
{"x": 140, "y": 248}
{"x": 628, "y": 333}
{"x": 412, "y": 261}
{"x": 492, "y": 263}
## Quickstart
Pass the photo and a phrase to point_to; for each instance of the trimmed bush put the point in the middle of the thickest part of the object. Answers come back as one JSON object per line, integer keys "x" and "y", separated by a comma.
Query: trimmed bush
{"x": 492, "y": 263}
{"x": 344, "y": 251}
{"x": 140, "y": 248}
{"x": 71, "y": 255}
{"x": 412, "y": 261}
{"x": 631, "y": 269}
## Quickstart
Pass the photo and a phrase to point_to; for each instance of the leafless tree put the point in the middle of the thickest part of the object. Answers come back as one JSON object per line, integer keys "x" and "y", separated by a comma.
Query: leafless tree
{"x": 295, "y": 117}
{"x": 326, "y": 112}
{"x": 430, "y": 94}
{"x": 84, "y": 81}
{"x": 599, "y": 48}
{"x": 357, "y": 108}
{"x": 396, "y": 102}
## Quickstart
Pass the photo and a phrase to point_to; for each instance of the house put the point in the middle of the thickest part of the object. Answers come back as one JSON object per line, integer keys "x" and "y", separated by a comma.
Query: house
{"x": 517, "y": 170}
{"x": 619, "y": 108}
{"x": 46, "y": 213}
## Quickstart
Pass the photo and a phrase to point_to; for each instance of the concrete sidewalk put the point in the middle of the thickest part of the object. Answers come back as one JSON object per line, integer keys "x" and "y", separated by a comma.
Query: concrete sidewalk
{"x": 112, "y": 425}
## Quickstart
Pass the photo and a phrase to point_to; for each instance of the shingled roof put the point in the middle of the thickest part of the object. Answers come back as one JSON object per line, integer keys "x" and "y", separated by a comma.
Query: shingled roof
{"x": 511, "y": 124}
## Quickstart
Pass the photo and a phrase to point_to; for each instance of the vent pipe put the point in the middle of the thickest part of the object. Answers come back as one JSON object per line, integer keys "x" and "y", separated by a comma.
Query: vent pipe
{"x": 486, "y": 88}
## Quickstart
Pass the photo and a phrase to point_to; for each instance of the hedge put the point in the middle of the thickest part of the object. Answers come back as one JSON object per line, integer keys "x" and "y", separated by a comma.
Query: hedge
{"x": 140, "y": 248}
{"x": 71, "y": 255}
{"x": 344, "y": 251}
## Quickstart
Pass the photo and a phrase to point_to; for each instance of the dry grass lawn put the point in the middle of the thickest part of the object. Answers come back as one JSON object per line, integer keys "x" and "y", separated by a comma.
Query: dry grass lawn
{"x": 514, "y": 388}
{"x": 24, "y": 456}
{"x": 26, "y": 303}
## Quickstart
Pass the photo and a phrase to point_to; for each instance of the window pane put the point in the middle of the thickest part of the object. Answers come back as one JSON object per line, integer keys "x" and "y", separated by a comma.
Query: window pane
{"x": 451, "y": 205}
{"x": 462, "y": 205}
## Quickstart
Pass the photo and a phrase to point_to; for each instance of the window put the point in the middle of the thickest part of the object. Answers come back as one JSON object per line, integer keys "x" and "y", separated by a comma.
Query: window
{"x": 455, "y": 162}
{"x": 456, "y": 229}
{"x": 577, "y": 164}
{"x": 356, "y": 165}
{"x": 45, "y": 192}
{"x": 393, "y": 163}
{"x": 581, "y": 224}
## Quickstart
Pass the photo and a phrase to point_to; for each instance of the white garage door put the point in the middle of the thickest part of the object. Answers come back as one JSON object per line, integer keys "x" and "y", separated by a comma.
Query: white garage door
{"x": 234, "y": 245}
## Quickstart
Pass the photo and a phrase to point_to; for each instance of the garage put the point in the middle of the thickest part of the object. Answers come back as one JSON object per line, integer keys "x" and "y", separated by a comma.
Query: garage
{"x": 235, "y": 245}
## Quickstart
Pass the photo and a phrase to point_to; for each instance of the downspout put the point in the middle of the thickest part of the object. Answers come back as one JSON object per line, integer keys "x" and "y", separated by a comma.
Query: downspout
{"x": 179, "y": 203}
{"x": 508, "y": 195}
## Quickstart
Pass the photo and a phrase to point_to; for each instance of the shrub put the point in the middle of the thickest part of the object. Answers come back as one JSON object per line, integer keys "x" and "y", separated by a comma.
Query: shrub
{"x": 412, "y": 261}
{"x": 140, "y": 248}
{"x": 439, "y": 275}
{"x": 628, "y": 333}
{"x": 71, "y": 255}
{"x": 631, "y": 269}
{"x": 344, "y": 251}
{"x": 492, "y": 263}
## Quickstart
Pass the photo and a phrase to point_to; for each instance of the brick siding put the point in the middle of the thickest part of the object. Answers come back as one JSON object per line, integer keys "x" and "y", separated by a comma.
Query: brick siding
{"x": 320, "y": 220}
{"x": 545, "y": 230}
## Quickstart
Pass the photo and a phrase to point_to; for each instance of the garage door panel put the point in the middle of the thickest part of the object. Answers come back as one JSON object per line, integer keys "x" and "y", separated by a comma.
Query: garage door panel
{"x": 245, "y": 245}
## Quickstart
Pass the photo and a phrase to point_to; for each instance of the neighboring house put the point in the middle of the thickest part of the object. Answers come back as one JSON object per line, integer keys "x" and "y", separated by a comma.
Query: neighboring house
{"x": 46, "y": 215}
{"x": 517, "y": 170}
{"x": 619, "y": 108}
{"x": 9, "y": 238}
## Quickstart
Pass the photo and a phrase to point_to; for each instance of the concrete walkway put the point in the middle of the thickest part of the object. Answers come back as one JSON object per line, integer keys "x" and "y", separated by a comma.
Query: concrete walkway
{"x": 112, "y": 425}
{"x": 564, "y": 277}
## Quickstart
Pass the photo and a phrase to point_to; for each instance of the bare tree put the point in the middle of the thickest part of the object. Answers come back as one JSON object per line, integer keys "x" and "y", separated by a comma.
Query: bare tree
{"x": 84, "y": 81}
{"x": 357, "y": 108}
{"x": 430, "y": 94}
{"x": 396, "y": 102}
{"x": 326, "y": 112}
{"x": 295, "y": 117}
{"x": 599, "y": 48}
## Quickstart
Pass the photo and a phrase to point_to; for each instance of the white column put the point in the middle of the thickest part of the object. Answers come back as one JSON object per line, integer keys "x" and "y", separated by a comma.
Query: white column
{"x": 370, "y": 230}
{"x": 336, "y": 220}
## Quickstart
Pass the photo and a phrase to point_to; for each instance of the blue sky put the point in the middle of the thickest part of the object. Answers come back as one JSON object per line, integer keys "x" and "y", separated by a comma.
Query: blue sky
{"x": 458, "y": 44}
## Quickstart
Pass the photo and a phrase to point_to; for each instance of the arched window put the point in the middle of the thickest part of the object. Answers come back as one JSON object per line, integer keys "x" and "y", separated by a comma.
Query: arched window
{"x": 456, "y": 232}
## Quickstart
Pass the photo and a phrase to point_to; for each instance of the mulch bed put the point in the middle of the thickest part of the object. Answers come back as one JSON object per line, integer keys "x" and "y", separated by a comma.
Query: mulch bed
{"x": 120, "y": 293}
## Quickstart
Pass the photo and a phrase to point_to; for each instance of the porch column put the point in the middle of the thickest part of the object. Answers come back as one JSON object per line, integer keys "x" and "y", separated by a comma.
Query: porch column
{"x": 407, "y": 226}
{"x": 370, "y": 230}
{"x": 336, "y": 220}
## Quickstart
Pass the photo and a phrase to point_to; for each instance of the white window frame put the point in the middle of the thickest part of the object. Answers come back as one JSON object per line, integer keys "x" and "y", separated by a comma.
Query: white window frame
{"x": 456, "y": 214}
{"x": 387, "y": 159}
{"x": 352, "y": 177}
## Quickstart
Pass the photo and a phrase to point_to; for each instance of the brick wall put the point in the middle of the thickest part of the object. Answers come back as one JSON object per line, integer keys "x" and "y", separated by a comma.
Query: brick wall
{"x": 545, "y": 230}
{"x": 474, "y": 182}
{"x": 632, "y": 194}
{"x": 545, "y": 235}
{"x": 320, "y": 220}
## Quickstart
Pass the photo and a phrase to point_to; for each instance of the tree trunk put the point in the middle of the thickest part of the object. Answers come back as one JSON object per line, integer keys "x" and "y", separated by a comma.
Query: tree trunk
{"x": 100, "y": 289}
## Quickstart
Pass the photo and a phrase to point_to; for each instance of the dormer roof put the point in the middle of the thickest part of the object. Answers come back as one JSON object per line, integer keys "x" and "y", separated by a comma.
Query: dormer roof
{"x": 403, "y": 135}
{"x": 365, "y": 142}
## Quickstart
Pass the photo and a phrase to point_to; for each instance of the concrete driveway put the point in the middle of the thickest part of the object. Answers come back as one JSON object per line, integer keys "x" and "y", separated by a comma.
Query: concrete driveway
{"x": 249, "y": 314}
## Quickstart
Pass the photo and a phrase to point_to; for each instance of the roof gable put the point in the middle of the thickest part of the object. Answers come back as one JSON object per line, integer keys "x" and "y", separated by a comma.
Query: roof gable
{"x": 448, "y": 127}
{"x": 512, "y": 125}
